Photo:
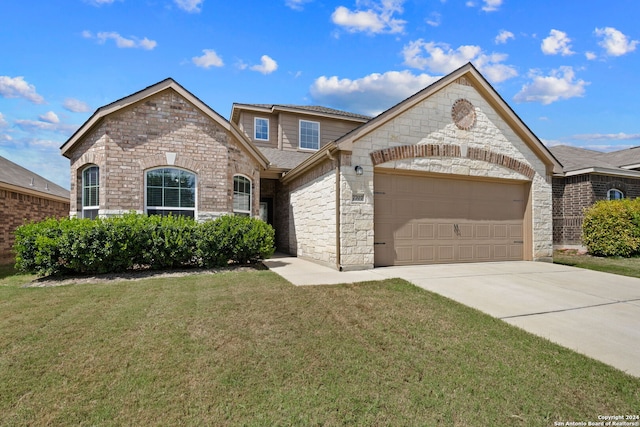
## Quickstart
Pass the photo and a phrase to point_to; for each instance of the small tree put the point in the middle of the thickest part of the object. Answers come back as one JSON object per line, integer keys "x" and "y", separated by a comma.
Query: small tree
{"x": 612, "y": 228}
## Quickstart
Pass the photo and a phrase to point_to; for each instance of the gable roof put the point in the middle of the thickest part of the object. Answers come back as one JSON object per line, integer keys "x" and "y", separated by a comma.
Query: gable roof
{"x": 478, "y": 82}
{"x": 165, "y": 84}
{"x": 17, "y": 178}
{"x": 315, "y": 110}
{"x": 577, "y": 160}
{"x": 490, "y": 95}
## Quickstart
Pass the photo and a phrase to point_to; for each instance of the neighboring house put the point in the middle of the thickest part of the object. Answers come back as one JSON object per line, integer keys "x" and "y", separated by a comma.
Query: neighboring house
{"x": 450, "y": 174}
{"x": 589, "y": 176}
{"x": 25, "y": 196}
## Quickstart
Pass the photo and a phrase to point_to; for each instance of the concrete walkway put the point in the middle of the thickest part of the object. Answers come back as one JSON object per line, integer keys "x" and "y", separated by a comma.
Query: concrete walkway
{"x": 594, "y": 313}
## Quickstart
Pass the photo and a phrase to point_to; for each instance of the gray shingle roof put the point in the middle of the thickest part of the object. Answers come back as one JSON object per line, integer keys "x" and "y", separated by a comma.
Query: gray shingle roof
{"x": 314, "y": 109}
{"x": 576, "y": 158}
{"x": 626, "y": 157}
{"x": 16, "y": 175}
{"x": 284, "y": 159}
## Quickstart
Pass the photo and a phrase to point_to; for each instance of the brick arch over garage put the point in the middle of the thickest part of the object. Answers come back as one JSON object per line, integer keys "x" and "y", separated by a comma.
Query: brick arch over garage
{"x": 450, "y": 150}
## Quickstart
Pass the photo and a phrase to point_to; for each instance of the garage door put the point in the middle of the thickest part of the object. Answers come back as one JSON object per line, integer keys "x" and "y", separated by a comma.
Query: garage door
{"x": 428, "y": 220}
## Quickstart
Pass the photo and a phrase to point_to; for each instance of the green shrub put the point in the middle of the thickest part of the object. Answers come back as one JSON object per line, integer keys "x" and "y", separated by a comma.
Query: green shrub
{"x": 55, "y": 247}
{"x": 243, "y": 239}
{"x": 612, "y": 228}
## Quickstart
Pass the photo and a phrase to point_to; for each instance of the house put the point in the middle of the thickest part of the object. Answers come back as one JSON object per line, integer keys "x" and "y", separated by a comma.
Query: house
{"x": 25, "y": 196}
{"x": 589, "y": 176}
{"x": 450, "y": 174}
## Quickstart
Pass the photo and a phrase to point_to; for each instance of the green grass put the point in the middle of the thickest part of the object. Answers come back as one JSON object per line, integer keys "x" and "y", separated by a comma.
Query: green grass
{"x": 248, "y": 348}
{"x": 616, "y": 265}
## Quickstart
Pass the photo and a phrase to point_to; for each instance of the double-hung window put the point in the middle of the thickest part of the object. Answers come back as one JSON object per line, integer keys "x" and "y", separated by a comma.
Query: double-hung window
{"x": 309, "y": 135}
{"x": 261, "y": 127}
{"x": 170, "y": 191}
{"x": 241, "y": 195}
{"x": 90, "y": 192}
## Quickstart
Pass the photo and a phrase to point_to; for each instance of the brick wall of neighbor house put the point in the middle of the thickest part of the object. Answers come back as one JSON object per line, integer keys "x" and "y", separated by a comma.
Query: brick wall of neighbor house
{"x": 573, "y": 194}
{"x": 163, "y": 130}
{"x": 429, "y": 122}
{"x": 17, "y": 208}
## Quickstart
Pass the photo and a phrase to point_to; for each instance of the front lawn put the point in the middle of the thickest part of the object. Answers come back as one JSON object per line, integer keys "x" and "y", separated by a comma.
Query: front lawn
{"x": 248, "y": 348}
{"x": 616, "y": 265}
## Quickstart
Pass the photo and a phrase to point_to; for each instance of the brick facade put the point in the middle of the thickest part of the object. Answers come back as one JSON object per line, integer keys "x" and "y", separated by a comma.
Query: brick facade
{"x": 16, "y": 208}
{"x": 163, "y": 130}
{"x": 573, "y": 194}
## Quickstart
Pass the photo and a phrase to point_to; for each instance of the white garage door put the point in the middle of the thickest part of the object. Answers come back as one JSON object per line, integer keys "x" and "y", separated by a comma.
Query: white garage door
{"x": 428, "y": 220}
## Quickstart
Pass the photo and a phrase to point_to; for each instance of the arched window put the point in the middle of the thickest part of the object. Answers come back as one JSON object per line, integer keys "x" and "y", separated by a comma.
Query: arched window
{"x": 90, "y": 192}
{"x": 615, "y": 194}
{"x": 241, "y": 195}
{"x": 170, "y": 191}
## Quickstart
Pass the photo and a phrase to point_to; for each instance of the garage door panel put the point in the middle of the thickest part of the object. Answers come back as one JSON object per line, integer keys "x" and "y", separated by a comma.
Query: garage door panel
{"x": 426, "y": 254}
{"x": 426, "y": 231}
{"x": 405, "y": 232}
{"x": 440, "y": 220}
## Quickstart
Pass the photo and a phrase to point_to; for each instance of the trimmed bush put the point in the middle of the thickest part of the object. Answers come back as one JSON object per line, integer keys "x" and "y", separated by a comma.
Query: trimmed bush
{"x": 612, "y": 228}
{"x": 55, "y": 247}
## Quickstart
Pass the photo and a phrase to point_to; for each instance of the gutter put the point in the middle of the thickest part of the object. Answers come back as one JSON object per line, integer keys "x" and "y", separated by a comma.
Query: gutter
{"x": 605, "y": 171}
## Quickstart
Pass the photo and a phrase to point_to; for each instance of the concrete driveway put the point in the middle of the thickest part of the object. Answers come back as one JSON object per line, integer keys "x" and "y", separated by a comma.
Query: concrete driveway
{"x": 597, "y": 314}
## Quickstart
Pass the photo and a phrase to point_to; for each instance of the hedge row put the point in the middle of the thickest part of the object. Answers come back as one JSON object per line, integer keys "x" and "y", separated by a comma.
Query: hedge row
{"x": 67, "y": 246}
{"x": 612, "y": 228}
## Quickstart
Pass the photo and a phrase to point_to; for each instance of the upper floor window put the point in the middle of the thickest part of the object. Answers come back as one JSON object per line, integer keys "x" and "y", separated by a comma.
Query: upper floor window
{"x": 170, "y": 191}
{"x": 615, "y": 194}
{"x": 241, "y": 195}
{"x": 90, "y": 192}
{"x": 309, "y": 135}
{"x": 261, "y": 127}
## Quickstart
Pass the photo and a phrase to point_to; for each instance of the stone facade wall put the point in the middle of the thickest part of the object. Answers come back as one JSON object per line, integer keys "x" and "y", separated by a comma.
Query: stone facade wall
{"x": 573, "y": 194}
{"x": 162, "y": 130}
{"x": 312, "y": 214}
{"x": 430, "y": 122}
{"x": 16, "y": 208}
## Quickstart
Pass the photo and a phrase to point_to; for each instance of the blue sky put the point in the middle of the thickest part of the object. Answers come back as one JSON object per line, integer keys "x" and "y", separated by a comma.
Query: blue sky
{"x": 568, "y": 68}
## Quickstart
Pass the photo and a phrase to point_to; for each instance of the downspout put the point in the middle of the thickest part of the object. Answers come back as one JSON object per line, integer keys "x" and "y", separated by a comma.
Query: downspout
{"x": 338, "y": 199}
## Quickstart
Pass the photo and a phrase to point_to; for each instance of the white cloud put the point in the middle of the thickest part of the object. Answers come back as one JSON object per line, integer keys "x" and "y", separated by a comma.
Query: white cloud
{"x": 434, "y": 19}
{"x": 17, "y": 87}
{"x": 296, "y": 4}
{"x": 121, "y": 42}
{"x": 560, "y": 84}
{"x": 590, "y": 56}
{"x": 191, "y": 6}
{"x": 376, "y": 19}
{"x": 75, "y": 106}
{"x": 371, "y": 94}
{"x": 557, "y": 43}
{"x": 621, "y": 136}
{"x": 38, "y": 125}
{"x": 488, "y": 5}
{"x": 504, "y": 36}
{"x": 491, "y": 5}
{"x": 615, "y": 42}
{"x": 441, "y": 58}
{"x": 267, "y": 65}
{"x": 209, "y": 59}
{"x": 3, "y": 122}
{"x": 50, "y": 117}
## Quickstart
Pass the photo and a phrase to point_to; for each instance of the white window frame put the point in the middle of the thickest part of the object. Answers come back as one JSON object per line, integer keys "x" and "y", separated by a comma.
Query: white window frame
{"x": 300, "y": 135}
{"x": 194, "y": 209}
{"x": 255, "y": 128}
{"x": 242, "y": 211}
{"x": 614, "y": 190}
{"x": 90, "y": 208}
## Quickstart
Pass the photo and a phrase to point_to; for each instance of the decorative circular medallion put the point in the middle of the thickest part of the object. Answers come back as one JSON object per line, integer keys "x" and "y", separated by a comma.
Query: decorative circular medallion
{"x": 463, "y": 114}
